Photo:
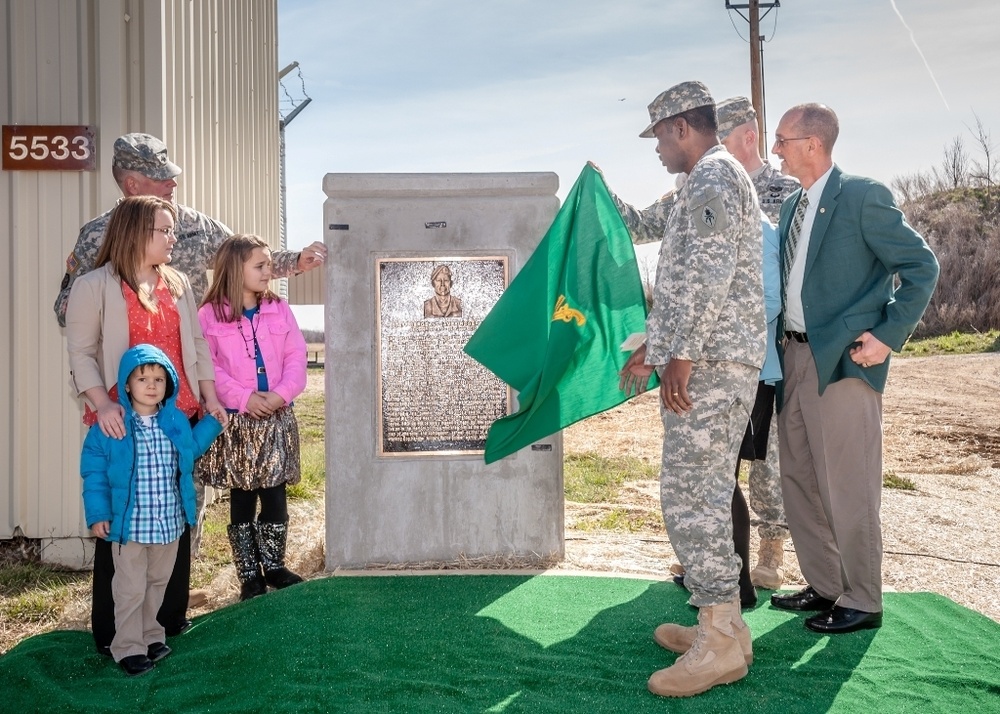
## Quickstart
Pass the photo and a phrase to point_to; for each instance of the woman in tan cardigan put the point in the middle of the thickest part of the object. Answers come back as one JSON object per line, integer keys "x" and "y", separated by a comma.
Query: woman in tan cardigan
{"x": 134, "y": 297}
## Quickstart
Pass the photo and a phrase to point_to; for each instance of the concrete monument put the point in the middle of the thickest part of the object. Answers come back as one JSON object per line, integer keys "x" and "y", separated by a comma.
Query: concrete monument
{"x": 416, "y": 263}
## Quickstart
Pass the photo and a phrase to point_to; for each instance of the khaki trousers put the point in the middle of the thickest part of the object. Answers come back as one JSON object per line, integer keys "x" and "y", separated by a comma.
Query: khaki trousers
{"x": 831, "y": 481}
{"x": 141, "y": 574}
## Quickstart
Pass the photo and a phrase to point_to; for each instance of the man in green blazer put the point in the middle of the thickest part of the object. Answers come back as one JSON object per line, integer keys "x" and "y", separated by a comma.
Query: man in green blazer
{"x": 843, "y": 243}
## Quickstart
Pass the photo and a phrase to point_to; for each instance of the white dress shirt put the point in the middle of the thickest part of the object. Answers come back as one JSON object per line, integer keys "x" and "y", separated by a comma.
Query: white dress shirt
{"x": 795, "y": 318}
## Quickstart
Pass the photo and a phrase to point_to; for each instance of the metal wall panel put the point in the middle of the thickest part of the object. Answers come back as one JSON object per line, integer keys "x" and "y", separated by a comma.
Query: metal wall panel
{"x": 308, "y": 289}
{"x": 202, "y": 75}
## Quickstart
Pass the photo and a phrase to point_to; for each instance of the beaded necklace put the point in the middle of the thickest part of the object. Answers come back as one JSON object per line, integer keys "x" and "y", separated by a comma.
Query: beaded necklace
{"x": 253, "y": 332}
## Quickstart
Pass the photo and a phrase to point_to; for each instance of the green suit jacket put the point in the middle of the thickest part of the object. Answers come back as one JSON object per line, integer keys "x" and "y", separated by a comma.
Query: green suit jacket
{"x": 859, "y": 241}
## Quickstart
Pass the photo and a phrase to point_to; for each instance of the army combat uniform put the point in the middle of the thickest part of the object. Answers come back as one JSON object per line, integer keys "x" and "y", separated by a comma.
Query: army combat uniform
{"x": 649, "y": 224}
{"x": 198, "y": 240}
{"x": 773, "y": 188}
{"x": 708, "y": 307}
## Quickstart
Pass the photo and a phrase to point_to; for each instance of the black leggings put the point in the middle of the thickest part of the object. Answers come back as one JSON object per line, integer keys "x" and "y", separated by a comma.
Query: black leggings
{"x": 741, "y": 536}
{"x": 273, "y": 505}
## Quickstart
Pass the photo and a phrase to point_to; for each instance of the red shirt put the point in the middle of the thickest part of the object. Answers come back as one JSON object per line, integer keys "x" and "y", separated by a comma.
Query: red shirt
{"x": 161, "y": 329}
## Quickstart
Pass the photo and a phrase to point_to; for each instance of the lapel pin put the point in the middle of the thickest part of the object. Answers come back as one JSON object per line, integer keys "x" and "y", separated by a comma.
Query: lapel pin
{"x": 822, "y": 210}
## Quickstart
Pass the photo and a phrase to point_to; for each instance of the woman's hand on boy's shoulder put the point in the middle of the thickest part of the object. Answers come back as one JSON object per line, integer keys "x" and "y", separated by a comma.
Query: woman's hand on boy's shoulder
{"x": 111, "y": 420}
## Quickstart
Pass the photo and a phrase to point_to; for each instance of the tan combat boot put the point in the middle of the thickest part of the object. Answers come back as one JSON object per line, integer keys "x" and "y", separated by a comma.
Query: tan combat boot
{"x": 770, "y": 557}
{"x": 715, "y": 656}
{"x": 679, "y": 639}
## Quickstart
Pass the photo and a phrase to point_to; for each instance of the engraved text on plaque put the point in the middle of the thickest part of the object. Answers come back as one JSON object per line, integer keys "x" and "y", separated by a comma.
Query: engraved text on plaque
{"x": 432, "y": 397}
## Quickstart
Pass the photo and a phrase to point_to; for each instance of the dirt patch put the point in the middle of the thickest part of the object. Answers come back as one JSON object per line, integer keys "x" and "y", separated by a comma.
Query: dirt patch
{"x": 942, "y": 431}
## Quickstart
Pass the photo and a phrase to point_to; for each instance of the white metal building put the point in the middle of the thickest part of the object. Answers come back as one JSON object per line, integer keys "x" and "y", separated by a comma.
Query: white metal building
{"x": 200, "y": 74}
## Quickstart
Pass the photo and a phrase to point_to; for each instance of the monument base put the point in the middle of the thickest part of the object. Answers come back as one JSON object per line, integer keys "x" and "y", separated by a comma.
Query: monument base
{"x": 417, "y": 261}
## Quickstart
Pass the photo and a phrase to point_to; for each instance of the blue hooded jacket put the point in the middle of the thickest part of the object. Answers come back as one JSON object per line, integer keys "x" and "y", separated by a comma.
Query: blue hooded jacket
{"x": 108, "y": 465}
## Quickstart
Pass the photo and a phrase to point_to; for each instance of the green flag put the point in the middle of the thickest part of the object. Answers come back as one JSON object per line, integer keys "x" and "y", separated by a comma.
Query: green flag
{"x": 555, "y": 333}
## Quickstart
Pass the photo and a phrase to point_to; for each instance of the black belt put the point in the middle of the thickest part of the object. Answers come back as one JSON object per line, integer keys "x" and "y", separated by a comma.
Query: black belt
{"x": 797, "y": 336}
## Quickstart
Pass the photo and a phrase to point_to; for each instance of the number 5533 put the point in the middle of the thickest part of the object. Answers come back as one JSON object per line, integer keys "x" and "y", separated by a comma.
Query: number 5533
{"x": 49, "y": 148}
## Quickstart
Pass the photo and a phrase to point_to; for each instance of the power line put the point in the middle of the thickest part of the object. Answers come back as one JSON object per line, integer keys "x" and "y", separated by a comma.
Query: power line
{"x": 756, "y": 42}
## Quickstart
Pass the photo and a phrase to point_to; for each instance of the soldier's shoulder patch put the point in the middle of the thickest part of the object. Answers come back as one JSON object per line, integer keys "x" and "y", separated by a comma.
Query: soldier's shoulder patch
{"x": 708, "y": 214}
{"x": 72, "y": 264}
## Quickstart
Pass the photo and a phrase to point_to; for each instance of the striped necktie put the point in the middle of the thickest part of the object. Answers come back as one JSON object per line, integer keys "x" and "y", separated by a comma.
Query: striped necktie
{"x": 792, "y": 242}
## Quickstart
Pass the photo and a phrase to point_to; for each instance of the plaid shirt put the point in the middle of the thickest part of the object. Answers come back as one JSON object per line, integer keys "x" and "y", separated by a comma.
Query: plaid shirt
{"x": 158, "y": 516}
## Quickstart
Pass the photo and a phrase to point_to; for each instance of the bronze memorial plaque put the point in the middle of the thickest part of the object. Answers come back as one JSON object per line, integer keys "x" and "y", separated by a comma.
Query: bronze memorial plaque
{"x": 433, "y": 399}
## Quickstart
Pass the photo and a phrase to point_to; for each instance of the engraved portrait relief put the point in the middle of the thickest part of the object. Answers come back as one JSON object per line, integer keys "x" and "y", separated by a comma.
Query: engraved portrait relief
{"x": 432, "y": 398}
{"x": 443, "y": 303}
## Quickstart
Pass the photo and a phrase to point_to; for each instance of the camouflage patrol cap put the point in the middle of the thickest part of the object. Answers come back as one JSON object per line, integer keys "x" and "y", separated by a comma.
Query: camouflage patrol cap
{"x": 677, "y": 100}
{"x": 146, "y": 154}
{"x": 734, "y": 112}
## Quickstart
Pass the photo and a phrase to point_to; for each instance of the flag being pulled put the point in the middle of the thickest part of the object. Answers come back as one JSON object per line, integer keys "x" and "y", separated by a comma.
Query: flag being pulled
{"x": 554, "y": 334}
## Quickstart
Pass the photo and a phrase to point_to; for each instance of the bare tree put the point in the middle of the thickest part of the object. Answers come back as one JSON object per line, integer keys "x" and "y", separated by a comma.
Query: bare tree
{"x": 983, "y": 172}
{"x": 955, "y": 167}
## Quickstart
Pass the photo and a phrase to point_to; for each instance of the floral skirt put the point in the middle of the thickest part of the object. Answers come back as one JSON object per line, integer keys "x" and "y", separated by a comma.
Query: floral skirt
{"x": 253, "y": 453}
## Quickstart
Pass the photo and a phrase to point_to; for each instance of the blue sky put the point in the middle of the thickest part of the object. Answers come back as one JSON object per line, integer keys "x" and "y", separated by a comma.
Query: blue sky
{"x": 519, "y": 85}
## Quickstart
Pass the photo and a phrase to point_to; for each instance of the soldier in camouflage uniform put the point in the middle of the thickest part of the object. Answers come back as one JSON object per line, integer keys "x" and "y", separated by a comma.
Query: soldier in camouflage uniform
{"x": 141, "y": 168}
{"x": 705, "y": 337}
{"x": 738, "y": 133}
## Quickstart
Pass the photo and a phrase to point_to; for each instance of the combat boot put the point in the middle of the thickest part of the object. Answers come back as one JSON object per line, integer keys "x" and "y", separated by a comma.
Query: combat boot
{"x": 715, "y": 656}
{"x": 271, "y": 540}
{"x": 247, "y": 561}
{"x": 770, "y": 557}
{"x": 679, "y": 639}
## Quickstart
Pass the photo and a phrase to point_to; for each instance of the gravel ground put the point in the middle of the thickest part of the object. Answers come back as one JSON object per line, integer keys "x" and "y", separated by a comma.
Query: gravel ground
{"x": 942, "y": 431}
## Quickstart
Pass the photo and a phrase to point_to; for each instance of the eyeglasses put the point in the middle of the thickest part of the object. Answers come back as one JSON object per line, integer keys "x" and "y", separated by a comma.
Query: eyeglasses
{"x": 781, "y": 142}
{"x": 167, "y": 232}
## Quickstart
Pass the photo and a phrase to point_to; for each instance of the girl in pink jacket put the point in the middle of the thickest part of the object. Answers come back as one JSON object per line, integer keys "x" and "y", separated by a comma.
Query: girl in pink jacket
{"x": 260, "y": 367}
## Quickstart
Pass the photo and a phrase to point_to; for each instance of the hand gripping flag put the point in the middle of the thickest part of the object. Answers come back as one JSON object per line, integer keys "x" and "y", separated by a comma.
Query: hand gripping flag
{"x": 554, "y": 334}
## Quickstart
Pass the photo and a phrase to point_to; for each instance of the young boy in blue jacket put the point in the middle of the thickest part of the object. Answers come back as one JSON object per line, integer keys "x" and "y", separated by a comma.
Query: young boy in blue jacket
{"x": 138, "y": 492}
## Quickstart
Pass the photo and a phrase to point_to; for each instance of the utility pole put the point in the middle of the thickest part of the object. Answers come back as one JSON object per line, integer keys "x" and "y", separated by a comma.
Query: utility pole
{"x": 756, "y": 62}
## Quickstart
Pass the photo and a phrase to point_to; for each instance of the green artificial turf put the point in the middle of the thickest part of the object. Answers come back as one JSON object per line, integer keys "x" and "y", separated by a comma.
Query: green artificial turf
{"x": 509, "y": 643}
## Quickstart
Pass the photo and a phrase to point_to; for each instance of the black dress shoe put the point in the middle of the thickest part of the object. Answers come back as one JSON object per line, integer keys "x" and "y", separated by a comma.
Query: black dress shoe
{"x": 805, "y": 599}
{"x": 843, "y": 619}
{"x": 135, "y": 665}
{"x": 157, "y": 651}
{"x": 177, "y": 629}
{"x": 746, "y": 601}
{"x": 104, "y": 650}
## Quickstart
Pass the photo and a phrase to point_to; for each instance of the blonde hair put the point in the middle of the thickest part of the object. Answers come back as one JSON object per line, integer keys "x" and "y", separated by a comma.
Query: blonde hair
{"x": 129, "y": 232}
{"x": 227, "y": 285}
